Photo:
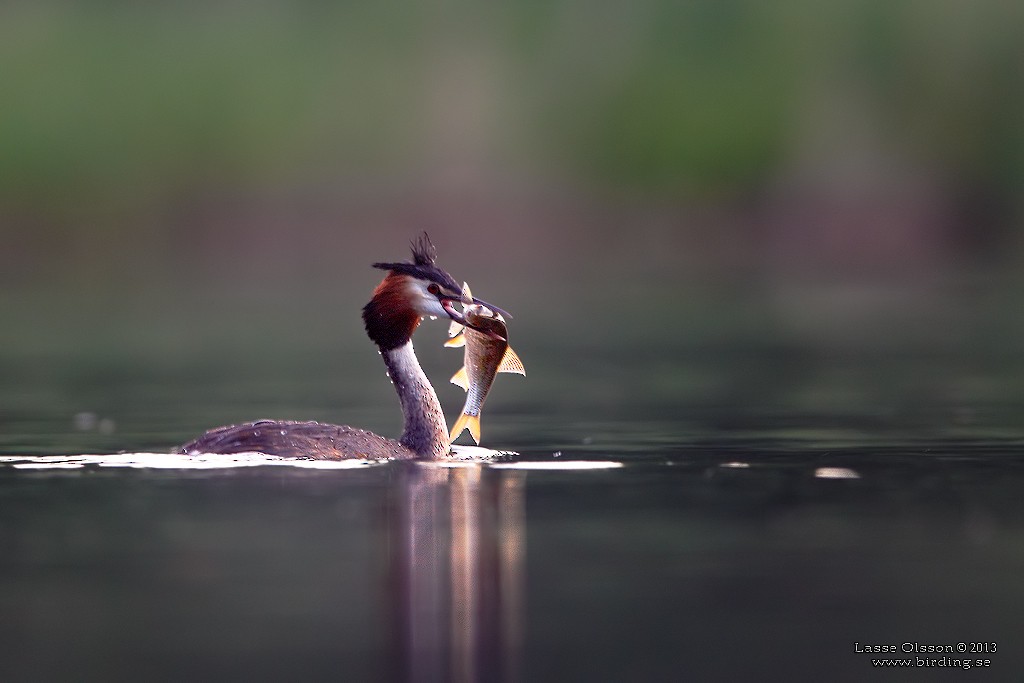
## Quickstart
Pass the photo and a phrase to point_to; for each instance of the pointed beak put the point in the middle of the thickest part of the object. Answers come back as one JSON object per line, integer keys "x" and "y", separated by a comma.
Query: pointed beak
{"x": 448, "y": 304}
{"x": 503, "y": 312}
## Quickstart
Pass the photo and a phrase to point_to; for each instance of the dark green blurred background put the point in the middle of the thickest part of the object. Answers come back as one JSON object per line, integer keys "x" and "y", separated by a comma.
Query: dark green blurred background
{"x": 727, "y": 140}
{"x": 662, "y": 177}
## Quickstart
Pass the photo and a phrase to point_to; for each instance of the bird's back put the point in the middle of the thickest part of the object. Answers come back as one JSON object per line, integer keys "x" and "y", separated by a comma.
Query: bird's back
{"x": 289, "y": 438}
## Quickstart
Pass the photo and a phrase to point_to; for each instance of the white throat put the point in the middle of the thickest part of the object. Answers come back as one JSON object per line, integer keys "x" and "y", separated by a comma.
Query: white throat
{"x": 425, "y": 430}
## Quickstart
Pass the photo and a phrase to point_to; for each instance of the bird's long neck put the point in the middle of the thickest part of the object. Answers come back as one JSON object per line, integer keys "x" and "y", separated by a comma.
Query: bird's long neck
{"x": 425, "y": 430}
{"x": 390, "y": 320}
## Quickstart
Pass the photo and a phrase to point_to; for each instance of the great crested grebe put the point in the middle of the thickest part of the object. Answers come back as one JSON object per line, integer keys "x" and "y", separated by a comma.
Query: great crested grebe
{"x": 407, "y": 294}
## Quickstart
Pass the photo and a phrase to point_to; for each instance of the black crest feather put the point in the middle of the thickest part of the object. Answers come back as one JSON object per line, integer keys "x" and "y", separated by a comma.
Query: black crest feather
{"x": 423, "y": 256}
{"x": 423, "y": 251}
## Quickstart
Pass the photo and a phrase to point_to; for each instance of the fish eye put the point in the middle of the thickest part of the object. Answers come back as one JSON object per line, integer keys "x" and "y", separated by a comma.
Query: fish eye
{"x": 433, "y": 289}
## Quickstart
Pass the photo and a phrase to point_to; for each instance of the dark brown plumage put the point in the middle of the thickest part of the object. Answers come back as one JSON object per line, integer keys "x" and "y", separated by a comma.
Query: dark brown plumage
{"x": 289, "y": 438}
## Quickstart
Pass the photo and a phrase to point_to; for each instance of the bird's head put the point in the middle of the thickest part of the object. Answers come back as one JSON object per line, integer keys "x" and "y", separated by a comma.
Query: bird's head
{"x": 410, "y": 292}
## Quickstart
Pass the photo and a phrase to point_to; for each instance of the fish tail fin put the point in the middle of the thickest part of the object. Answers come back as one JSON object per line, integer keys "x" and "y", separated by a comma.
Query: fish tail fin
{"x": 466, "y": 421}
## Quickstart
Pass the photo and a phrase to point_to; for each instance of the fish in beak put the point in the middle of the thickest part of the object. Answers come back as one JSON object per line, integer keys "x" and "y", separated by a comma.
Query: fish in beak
{"x": 485, "y": 337}
{"x": 459, "y": 320}
{"x": 448, "y": 304}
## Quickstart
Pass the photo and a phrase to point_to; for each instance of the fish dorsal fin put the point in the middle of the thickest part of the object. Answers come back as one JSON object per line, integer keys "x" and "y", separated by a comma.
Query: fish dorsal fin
{"x": 510, "y": 363}
{"x": 458, "y": 340}
{"x": 465, "y": 290}
{"x": 461, "y": 379}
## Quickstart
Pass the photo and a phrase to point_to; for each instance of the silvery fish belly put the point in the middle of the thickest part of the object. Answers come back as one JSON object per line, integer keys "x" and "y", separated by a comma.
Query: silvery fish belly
{"x": 486, "y": 354}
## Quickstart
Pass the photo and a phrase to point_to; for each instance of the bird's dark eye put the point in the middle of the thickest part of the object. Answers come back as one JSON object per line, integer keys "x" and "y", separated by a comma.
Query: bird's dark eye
{"x": 433, "y": 289}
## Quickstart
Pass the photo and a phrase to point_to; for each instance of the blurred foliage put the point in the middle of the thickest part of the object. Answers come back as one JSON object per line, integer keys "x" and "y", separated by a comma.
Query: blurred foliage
{"x": 126, "y": 98}
{"x": 118, "y": 114}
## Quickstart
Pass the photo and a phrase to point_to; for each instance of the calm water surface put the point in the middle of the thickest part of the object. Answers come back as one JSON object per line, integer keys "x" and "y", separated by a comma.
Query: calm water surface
{"x": 774, "y": 507}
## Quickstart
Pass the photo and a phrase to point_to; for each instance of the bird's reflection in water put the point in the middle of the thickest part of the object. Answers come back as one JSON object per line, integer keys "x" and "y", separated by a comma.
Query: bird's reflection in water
{"x": 457, "y": 554}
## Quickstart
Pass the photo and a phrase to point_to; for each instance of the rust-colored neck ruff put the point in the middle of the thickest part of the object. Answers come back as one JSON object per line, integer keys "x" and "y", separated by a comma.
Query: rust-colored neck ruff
{"x": 389, "y": 317}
